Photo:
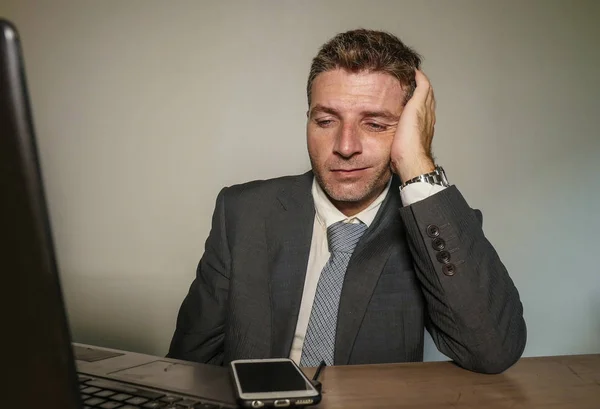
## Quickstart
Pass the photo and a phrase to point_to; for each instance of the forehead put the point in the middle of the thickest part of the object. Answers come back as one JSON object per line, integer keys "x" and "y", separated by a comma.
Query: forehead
{"x": 343, "y": 90}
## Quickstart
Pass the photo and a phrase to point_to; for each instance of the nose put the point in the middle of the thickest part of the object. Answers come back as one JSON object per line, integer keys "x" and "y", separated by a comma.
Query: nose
{"x": 348, "y": 143}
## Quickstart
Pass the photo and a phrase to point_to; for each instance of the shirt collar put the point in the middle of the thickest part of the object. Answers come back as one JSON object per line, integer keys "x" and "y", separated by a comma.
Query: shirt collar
{"x": 328, "y": 214}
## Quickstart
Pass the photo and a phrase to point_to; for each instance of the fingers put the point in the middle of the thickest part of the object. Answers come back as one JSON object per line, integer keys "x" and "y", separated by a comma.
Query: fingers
{"x": 429, "y": 104}
{"x": 421, "y": 79}
{"x": 424, "y": 100}
{"x": 423, "y": 94}
{"x": 422, "y": 90}
{"x": 425, "y": 84}
{"x": 429, "y": 101}
{"x": 431, "y": 109}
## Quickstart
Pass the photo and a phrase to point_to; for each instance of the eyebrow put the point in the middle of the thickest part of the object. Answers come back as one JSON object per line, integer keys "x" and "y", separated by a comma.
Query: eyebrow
{"x": 385, "y": 114}
{"x": 323, "y": 109}
{"x": 381, "y": 114}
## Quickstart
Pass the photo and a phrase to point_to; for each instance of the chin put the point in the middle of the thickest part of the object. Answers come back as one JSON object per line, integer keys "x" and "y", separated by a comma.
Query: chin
{"x": 350, "y": 194}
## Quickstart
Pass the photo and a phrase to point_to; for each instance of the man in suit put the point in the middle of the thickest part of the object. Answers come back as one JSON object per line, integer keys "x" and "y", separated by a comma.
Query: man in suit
{"x": 352, "y": 260}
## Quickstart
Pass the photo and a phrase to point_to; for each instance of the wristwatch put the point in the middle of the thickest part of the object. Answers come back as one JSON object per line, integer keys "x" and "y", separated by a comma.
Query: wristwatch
{"x": 437, "y": 177}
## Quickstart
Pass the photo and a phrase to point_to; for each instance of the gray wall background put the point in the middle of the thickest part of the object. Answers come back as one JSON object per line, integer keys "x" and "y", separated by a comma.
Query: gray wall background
{"x": 145, "y": 109}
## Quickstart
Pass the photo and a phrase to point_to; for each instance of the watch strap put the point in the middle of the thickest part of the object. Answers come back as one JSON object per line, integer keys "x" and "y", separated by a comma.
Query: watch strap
{"x": 437, "y": 177}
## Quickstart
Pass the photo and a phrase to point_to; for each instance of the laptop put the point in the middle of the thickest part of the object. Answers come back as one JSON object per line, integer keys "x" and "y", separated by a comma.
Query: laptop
{"x": 44, "y": 368}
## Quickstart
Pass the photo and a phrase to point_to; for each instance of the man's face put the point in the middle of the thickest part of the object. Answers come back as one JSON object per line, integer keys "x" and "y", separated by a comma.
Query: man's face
{"x": 351, "y": 124}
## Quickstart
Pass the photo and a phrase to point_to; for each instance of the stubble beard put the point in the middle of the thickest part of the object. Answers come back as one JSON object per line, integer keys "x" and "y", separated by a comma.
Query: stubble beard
{"x": 362, "y": 190}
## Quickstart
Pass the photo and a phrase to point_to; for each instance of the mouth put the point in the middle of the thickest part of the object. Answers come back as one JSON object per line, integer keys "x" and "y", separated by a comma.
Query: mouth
{"x": 348, "y": 172}
{"x": 351, "y": 170}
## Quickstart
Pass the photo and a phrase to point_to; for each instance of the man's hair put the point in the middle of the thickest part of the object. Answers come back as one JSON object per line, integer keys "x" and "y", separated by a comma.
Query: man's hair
{"x": 367, "y": 50}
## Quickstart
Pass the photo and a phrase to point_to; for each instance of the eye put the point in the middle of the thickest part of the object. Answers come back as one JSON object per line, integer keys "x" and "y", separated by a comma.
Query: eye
{"x": 324, "y": 123}
{"x": 376, "y": 127}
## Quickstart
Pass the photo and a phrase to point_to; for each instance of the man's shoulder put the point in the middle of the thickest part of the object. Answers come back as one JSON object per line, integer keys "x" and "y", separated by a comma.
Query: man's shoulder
{"x": 261, "y": 190}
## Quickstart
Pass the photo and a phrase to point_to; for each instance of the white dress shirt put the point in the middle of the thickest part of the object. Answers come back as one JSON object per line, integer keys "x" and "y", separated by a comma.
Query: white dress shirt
{"x": 327, "y": 214}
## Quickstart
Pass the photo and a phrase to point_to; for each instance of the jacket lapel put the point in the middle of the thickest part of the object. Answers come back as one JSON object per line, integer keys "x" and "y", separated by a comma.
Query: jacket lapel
{"x": 289, "y": 233}
{"x": 364, "y": 269}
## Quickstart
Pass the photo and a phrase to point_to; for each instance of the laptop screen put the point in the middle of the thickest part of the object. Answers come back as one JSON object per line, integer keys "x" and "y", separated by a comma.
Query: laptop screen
{"x": 36, "y": 339}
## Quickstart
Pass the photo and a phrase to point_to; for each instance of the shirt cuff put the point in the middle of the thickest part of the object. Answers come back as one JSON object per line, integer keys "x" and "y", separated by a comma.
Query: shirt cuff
{"x": 418, "y": 191}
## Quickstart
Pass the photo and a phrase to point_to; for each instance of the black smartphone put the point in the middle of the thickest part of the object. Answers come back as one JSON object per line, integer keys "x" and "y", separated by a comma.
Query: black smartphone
{"x": 272, "y": 383}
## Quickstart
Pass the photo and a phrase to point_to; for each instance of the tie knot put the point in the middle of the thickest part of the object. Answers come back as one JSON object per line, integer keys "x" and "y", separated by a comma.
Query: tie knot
{"x": 342, "y": 237}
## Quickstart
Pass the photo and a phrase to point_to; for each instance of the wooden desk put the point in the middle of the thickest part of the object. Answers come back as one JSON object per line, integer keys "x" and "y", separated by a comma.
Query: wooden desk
{"x": 558, "y": 382}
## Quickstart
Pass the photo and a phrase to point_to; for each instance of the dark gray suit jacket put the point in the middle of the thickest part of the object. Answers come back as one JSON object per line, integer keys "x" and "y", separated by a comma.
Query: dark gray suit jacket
{"x": 245, "y": 300}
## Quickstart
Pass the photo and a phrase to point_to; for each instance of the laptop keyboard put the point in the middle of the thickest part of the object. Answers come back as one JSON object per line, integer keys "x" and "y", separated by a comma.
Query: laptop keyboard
{"x": 105, "y": 394}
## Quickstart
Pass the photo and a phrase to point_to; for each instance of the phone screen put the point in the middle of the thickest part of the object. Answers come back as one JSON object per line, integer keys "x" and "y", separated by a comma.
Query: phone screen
{"x": 260, "y": 377}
